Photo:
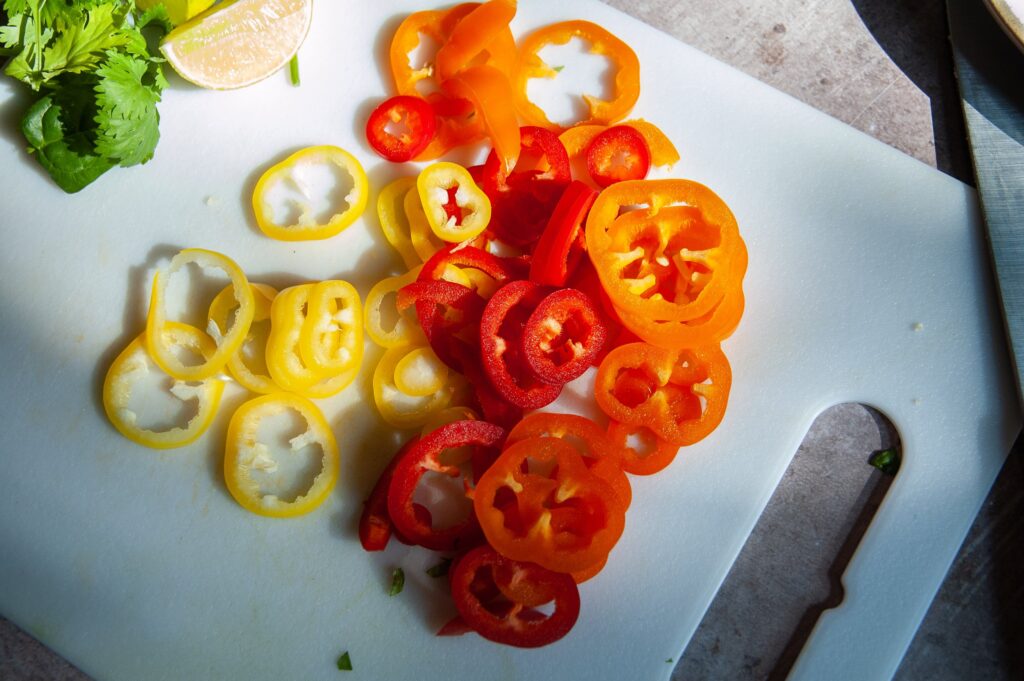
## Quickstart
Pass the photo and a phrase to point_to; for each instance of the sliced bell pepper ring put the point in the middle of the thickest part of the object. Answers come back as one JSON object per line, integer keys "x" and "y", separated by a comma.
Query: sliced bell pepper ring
{"x": 157, "y": 342}
{"x": 471, "y": 211}
{"x": 679, "y": 395}
{"x": 616, "y": 154}
{"x": 423, "y": 239}
{"x": 500, "y": 269}
{"x": 502, "y": 338}
{"x": 490, "y": 93}
{"x": 249, "y": 469}
{"x": 559, "y": 249}
{"x": 375, "y": 526}
{"x": 394, "y": 222}
{"x": 562, "y": 336}
{"x": 284, "y": 358}
{"x": 289, "y": 176}
{"x": 602, "y": 112}
{"x": 644, "y": 453}
{"x": 448, "y": 313}
{"x": 674, "y": 258}
{"x": 474, "y": 33}
{"x": 426, "y": 456}
{"x": 331, "y": 385}
{"x": 493, "y": 406}
{"x": 539, "y": 502}
{"x": 499, "y": 599}
{"x": 331, "y": 339}
{"x": 663, "y": 152}
{"x": 249, "y": 363}
{"x": 601, "y": 456}
{"x": 403, "y": 409}
{"x": 381, "y": 307}
{"x": 712, "y": 327}
{"x": 133, "y": 364}
{"x": 420, "y": 373}
{"x": 400, "y": 128}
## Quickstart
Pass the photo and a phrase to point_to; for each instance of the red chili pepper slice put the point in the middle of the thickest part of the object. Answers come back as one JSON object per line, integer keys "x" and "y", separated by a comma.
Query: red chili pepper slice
{"x": 523, "y": 199}
{"x": 424, "y": 457}
{"x": 448, "y": 314}
{"x": 616, "y": 154}
{"x": 499, "y": 599}
{"x": 559, "y": 248}
{"x": 375, "y": 526}
{"x": 501, "y": 336}
{"x": 416, "y": 123}
{"x": 562, "y": 337}
{"x": 499, "y": 269}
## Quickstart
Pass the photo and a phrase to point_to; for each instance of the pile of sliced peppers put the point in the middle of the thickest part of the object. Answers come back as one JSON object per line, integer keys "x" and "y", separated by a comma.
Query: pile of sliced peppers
{"x": 305, "y": 341}
{"x": 553, "y": 257}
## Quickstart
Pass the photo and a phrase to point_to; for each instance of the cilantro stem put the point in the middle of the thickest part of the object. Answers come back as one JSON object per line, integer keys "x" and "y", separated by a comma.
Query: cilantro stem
{"x": 37, "y": 21}
{"x": 293, "y": 70}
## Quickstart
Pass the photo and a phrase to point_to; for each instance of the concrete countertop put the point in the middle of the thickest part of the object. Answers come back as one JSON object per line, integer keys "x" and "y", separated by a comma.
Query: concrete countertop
{"x": 884, "y": 67}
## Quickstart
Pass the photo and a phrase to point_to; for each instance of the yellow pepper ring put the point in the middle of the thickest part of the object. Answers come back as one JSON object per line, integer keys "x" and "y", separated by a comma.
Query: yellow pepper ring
{"x": 420, "y": 373}
{"x": 393, "y": 219}
{"x": 220, "y": 314}
{"x": 406, "y": 330}
{"x": 331, "y": 339}
{"x": 333, "y": 385}
{"x": 433, "y": 185}
{"x": 424, "y": 242}
{"x": 306, "y": 227}
{"x": 287, "y": 318}
{"x": 244, "y": 454}
{"x": 397, "y": 407}
{"x": 132, "y": 364}
{"x": 163, "y": 353}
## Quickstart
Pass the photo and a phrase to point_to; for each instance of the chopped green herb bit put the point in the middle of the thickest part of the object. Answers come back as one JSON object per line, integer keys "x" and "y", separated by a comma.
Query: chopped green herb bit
{"x": 293, "y": 70}
{"x": 557, "y": 69}
{"x": 397, "y": 581}
{"x": 345, "y": 662}
{"x": 886, "y": 460}
{"x": 441, "y": 569}
{"x": 669, "y": 661}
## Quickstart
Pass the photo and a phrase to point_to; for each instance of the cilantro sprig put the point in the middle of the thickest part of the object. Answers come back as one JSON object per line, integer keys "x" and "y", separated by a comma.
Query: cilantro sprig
{"x": 97, "y": 79}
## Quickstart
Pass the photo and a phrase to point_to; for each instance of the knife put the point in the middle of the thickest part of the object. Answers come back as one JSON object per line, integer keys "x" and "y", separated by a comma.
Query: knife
{"x": 988, "y": 69}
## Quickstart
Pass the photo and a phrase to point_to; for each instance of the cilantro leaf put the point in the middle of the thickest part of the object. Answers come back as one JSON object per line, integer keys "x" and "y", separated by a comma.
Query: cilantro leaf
{"x": 345, "y": 662}
{"x": 127, "y": 120}
{"x": 886, "y": 460}
{"x": 83, "y": 45}
{"x": 155, "y": 15}
{"x": 62, "y": 147}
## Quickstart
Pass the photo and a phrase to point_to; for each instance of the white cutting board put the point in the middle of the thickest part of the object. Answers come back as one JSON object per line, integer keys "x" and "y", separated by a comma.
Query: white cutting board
{"x": 136, "y": 564}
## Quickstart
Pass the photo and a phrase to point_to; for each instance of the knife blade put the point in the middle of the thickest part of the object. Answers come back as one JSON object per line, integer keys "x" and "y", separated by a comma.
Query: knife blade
{"x": 988, "y": 67}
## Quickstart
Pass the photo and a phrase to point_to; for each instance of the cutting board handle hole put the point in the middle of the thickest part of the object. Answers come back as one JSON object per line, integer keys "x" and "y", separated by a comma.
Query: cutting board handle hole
{"x": 790, "y": 570}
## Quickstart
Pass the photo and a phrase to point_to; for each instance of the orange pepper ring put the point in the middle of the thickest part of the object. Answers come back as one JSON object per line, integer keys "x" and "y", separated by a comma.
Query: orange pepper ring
{"x": 603, "y": 112}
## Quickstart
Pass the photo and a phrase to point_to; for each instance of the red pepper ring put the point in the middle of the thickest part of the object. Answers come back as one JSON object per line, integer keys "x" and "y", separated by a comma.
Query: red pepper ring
{"x": 413, "y": 114}
{"x": 562, "y": 336}
{"x": 375, "y": 526}
{"x": 501, "y": 342}
{"x": 648, "y": 456}
{"x": 498, "y": 598}
{"x": 444, "y": 309}
{"x": 497, "y": 268}
{"x": 616, "y": 154}
{"x": 424, "y": 457}
{"x": 554, "y": 258}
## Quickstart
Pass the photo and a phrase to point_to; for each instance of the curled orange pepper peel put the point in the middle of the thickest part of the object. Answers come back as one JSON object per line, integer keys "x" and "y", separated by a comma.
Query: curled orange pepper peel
{"x": 490, "y": 92}
{"x": 473, "y": 34}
